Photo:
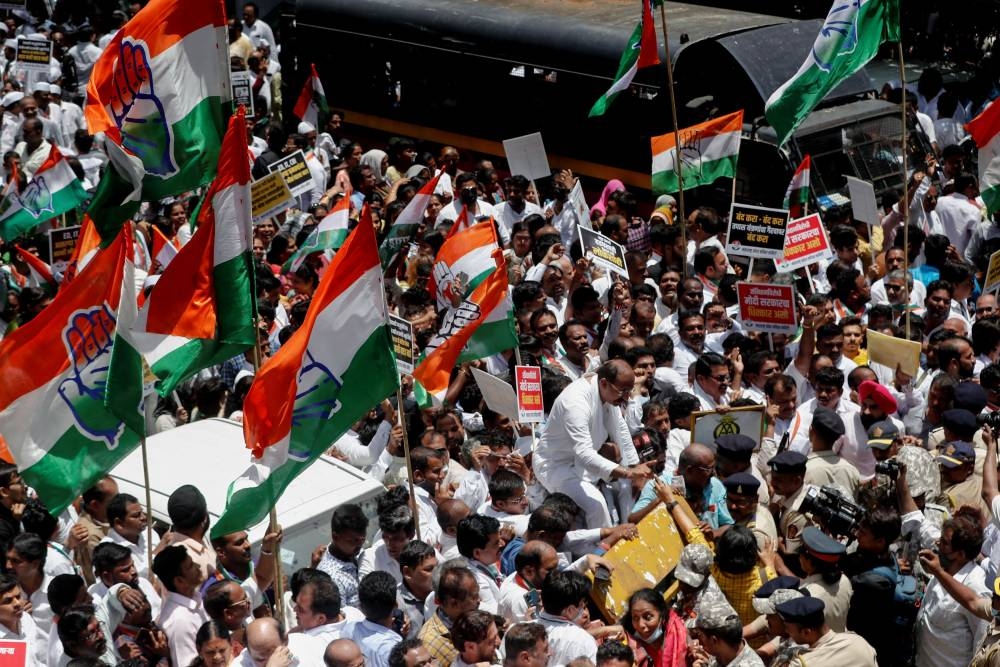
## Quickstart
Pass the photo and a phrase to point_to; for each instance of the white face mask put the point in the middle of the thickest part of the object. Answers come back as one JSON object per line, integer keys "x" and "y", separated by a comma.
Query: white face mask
{"x": 655, "y": 637}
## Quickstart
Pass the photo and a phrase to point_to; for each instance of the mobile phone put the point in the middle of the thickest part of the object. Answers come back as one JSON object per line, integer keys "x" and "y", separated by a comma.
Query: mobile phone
{"x": 397, "y": 620}
{"x": 602, "y": 574}
{"x": 532, "y": 598}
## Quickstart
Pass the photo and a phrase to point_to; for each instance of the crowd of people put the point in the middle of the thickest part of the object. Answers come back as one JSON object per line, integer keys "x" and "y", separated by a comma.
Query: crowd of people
{"x": 861, "y": 527}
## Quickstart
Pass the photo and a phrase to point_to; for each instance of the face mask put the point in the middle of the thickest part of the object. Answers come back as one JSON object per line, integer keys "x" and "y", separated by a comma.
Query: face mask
{"x": 469, "y": 196}
{"x": 655, "y": 637}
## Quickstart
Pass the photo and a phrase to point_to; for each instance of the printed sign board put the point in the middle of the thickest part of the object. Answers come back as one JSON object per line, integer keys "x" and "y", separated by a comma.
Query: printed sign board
{"x": 603, "y": 252}
{"x": 767, "y": 307}
{"x": 269, "y": 195}
{"x": 757, "y": 232}
{"x": 529, "y": 394}
{"x": 294, "y": 170}
{"x": 806, "y": 242}
{"x": 402, "y": 344}
{"x": 62, "y": 242}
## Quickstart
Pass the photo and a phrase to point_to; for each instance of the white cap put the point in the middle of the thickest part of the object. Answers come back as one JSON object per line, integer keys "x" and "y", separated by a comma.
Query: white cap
{"x": 10, "y": 43}
{"x": 41, "y": 87}
{"x": 242, "y": 374}
{"x": 55, "y": 89}
{"x": 305, "y": 128}
{"x": 11, "y": 98}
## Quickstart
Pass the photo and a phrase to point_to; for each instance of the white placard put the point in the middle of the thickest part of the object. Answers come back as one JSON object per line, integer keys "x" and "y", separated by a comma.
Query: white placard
{"x": 863, "y": 201}
{"x": 526, "y": 156}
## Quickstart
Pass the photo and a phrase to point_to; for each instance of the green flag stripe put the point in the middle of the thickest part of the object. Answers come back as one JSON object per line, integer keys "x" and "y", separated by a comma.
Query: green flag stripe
{"x": 63, "y": 201}
{"x": 665, "y": 182}
{"x": 625, "y": 67}
{"x": 489, "y": 339}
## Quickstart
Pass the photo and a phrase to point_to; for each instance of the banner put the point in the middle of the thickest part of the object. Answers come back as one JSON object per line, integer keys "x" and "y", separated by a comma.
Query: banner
{"x": 528, "y": 380}
{"x": 270, "y": 195}
{"x": 295, "y": 172}
{"x": 242, "y": 90}
{"x": 766, "y": 307}
{"x": 402, "y": 344}
{"x": 603, "y": 252}
{"x": 62, "y": 242}
{"x": 14, "y": 653}
{"x": 34, "y": 54}
{"x": 757, "y": 232}
{"x": 709, "y": 426}
{"x": 805, "y": 243}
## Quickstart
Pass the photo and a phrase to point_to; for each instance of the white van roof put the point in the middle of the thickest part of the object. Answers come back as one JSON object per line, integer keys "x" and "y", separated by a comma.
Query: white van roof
{"x": 211, "y": 453}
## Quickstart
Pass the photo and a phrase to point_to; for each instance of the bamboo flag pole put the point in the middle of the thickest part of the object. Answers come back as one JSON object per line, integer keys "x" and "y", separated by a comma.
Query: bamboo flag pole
{"x": 681, "y": 214}
{"x": 406, "y": 455}
{"x": 904, "y": 207}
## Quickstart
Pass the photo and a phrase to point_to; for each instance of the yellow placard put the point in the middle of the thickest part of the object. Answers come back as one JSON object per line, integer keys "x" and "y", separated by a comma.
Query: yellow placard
{"x": 269, "y": 195}
{"x": 993, "y": 273}
{"x": 894, "y": 352}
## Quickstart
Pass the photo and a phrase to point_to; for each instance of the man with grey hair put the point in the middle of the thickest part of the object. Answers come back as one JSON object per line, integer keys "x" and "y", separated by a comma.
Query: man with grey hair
{"x": 585, "y": 417}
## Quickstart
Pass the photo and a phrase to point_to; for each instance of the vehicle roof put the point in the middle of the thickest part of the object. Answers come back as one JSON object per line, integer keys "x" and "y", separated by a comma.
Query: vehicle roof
{"x": 210, "y": 454}
{"x": 556, "y": 31}
{"x": 838, "y": 116}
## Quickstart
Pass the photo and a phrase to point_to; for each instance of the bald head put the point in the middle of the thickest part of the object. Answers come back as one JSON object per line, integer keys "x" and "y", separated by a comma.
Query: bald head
{"x": 450, "y": 512}
{"x": 342, "y": 653}
{"x": 263, "y": 637}
{"x": 697, "y": 454}
{"x": 956, "y": 325}
{"x": 538, "y": 551}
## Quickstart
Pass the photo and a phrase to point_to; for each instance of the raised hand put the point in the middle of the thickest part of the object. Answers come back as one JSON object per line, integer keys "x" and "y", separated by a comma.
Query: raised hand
{"x": 138, "y": 111}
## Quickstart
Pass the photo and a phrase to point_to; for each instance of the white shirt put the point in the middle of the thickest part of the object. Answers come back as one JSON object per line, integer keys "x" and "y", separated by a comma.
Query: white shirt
{"x": 99, "y": 592}
{"x": 29, "y": 635}
{"x": 334, "y": 631}
{"x": 360, "y": 455}
{"x": 306, "y": 652}
{"x": 567, "y": 641}
{"x": 85, "y": 55}
{"x": 519, "y": 522}
{"x": 489, "y": 591}
{"x": 454, "y": 209}
{"x": 474, "y": 489}
{"x": 376, "y": 558}
{"x": 959, "y": 216}
{"x": 684, "y": 356}
{"x": 430, "y": 530}
{"x": 512, "y": 604}
{"x": 139, "y": 550}
{"x": 566, "y": 221}
{"x": 180, "y": 618}
{"x": 506, "y": 216}
{"x": 260, "y": 31}
{"x": 41, "y": 614}
{"x": 947, "y": 634}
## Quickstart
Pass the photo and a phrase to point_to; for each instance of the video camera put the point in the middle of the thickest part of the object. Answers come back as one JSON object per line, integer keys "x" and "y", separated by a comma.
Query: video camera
{"x": 838, "y": 513}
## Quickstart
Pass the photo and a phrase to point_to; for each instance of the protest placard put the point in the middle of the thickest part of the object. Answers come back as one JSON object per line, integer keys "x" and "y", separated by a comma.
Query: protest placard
{"x": 755, "y": 231}
{"x": 269, "y": 195}
{"x": 894, "y": 352}
{"x": 529, "y": 394}
{"x": 579, "y": 203}
{"x": 402, "y": 344}
{"x": 863, "y": 202}
{"x": 13, "y": 653}
{"x": 526, "y": 156}
{"x": 806, "y": 242}
{"x": 242, "y": 88}
{"x": 766, "y": 307}
{"x": 992, "y": 280}
{"x": 61, "y": 244}
{"x": 499, "y": 395}
{"x": 294, "y": 170}
{"x": 34, "y": 54}
{"x": 603, "y": 252}
{"x": 708, "y": 426}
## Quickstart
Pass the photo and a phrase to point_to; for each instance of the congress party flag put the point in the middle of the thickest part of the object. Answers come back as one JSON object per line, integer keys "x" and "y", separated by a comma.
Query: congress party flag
{"x": 159, "y": 90}
{"x": 850, "y": 37}
{"x": 39, "y": 273}
{"x": 55, "y": 369}
{"x": 985, "y": 131}
{"x": 330, "y": 234}
{"x": 797, "y": 195}
{"x": 312, "y": 99}
{"x": 86, "y": 247}
{"x": 464, "y": 260}
{"x": 407, "y": 222}
{"x": 164, "y": 249}
{"x": 708, "y": 151}
{"x": 200, "y": 312}
{"x": 332, "y": 371}
{"x": 53, "y": 190}
{"x": 641, "y": 51}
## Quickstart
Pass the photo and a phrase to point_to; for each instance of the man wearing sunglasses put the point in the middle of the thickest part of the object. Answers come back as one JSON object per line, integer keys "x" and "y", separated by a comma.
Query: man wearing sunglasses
{"x": 588, "y": 414}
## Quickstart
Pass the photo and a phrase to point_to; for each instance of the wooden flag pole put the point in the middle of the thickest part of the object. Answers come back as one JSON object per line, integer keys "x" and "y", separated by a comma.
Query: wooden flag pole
{"x": 904, "y": 207}
{"x": 406, "y": 456}
{"x": 682, "y": 217}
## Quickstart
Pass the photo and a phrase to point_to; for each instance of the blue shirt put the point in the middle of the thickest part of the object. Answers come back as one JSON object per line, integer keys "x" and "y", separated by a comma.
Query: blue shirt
{"x": 374, "y": 640}
{"x": 715, "y": 513}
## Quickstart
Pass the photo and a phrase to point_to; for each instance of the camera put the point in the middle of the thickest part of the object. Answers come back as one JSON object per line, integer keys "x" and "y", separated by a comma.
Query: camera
{"x": 992, "y": 420}
{"x": 889, "y": 468}
{"x": 838, "y": 513}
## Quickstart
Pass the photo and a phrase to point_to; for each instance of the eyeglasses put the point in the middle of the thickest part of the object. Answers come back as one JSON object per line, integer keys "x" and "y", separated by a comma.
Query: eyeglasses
{"x": 621, "y": 392}
{"x": 245, "y": 602}
{"x": 705, "y": 469}
{"x": 985, "y": 309}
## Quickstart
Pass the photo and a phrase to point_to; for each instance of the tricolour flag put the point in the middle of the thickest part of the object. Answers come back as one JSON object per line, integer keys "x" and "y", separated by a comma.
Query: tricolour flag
{"x": 467, "y": 259}
{"x": 433, "y": 372}
{"x": 39, "y": 273}
{"x": 312, "y": 99}
{"x": 330, "y": 234}
{"x": 332, "y": 371}
{"x": 985, "y": 130}
{"x": 797, "y": 195}
{"x": 86, "y": 247}
{"x": 407, "y": 222}
{"x": 54, "y": 190}
{"x": 496, "y": 333}
{"x": 850, "y": 37}
{"x": 55, "y": 369}
{"x": 201, "y": 311}
{"x": 641, "y": 51}
{"x": 164, "y": 249}
{"x": 159, "y": 90}
{"x": 708, "y": 151}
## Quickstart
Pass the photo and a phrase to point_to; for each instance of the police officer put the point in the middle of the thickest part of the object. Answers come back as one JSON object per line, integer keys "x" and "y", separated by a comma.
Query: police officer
{"x": 805, "y": 622}
{"x": 820, "y": 559}
{"x": 742, "y": 499}
{"x": 719, "y": 632}
{"x": 769, "y": 624}
{"x": 788, "y": 471}
{"x": 734, "y": 454}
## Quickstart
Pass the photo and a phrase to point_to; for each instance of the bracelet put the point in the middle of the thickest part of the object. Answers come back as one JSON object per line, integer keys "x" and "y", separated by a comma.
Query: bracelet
{"x": 671, "y": 505}
{"x": 265, "y": 552}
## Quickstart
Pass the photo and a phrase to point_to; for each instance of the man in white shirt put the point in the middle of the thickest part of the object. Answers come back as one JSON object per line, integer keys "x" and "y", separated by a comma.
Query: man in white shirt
{"x": 85, "y": 54}
{"x": 34, "y": 149}
{"x": 398, "y": 528}
{"x": 265, "y": 639}
{"x": 520, "y": 595}
{"x": 959, "y": 213}
{"x": 113, "y": 565}
{"x": 466, "y": 198}
{"x": 182, "y": 614}
{"x": 712, "y": 381}
{"x": 26, "y": 561}
{"x": 586, "y": 415}
{"x": 564, "y": 615}
{"x": 479, "y": 541}
{"x": 128, "y": 528}
{"x": 253, "y": 27}
{"x": 14, "y": 623}
{"x": 477, "y": 639}
{"x": 515, "y": 208}
{"x": 318, "y": 611}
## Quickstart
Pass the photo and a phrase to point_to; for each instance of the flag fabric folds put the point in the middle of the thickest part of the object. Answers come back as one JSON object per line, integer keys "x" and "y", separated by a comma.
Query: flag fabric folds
{"x": 159, "y": 90}
{"x": 641, "y": 51}
{"x": 850, "y": 37}
{"x": 164, "y": 249}
{"x": 201, "y": 311}
{"x": 797, "y": 195}
{"x": 312, "y": 99}
{"x": 407, "y": 221}
{"x": 464, "y": 260}
{"x": 985, "y": 131}
{"x": 54, "y": 190}
{"x": 39, "y": 273}
{"x": 55, "y": 370}
{"x": 708, "y": 151}
{"x": 333, "y": 369}
{"x": 330, "y": 234}
{"x": 86, "y": 247}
